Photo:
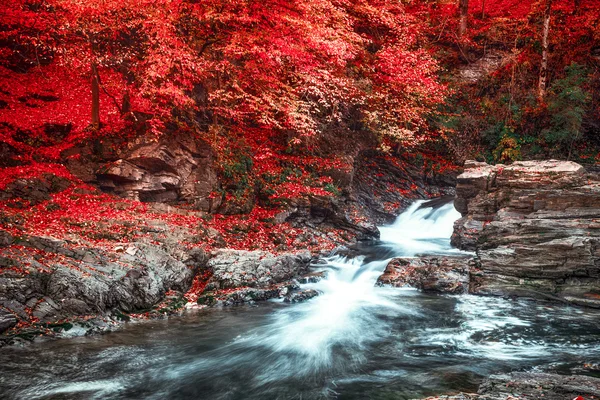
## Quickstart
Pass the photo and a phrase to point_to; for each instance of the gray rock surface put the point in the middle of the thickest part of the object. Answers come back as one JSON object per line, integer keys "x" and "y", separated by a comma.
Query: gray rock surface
{"x": 77, "y": 281}
{"x": 531, "y": 385}
{"x": 7, "y": 320}
{"x": 535, "y": 226}
{"x": 300, "y": 296}
{"x": 257, "y": 269}
{"x": 429, "y": 273}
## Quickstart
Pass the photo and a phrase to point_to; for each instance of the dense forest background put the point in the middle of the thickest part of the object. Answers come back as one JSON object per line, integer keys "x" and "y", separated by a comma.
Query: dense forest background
{"x": 282, "y": 91}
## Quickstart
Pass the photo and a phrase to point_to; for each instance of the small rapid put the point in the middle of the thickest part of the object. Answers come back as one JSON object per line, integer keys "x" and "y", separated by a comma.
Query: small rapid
{"x": 356, "y": 340}
{"x": 351, "y": 310}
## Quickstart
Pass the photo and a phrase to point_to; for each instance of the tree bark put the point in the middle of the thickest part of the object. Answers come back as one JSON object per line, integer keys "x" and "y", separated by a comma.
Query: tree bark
{"x": 543, "y": 81}
{"x": 463, "y": 7}
{"x": 126, "y": 105}
{"x": 95, "y": 98}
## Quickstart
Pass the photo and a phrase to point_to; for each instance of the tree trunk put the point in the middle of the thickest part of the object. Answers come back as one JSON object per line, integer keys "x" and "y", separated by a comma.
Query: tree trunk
{"x": 463, "y": 7}
{"x": 126, "y": 105}
{"x": 544, "y": 66}
{"x": 95, "y": 98}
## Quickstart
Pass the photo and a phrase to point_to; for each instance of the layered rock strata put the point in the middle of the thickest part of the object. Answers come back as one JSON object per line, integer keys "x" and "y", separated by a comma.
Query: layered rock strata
{"x": 535, "y": 228}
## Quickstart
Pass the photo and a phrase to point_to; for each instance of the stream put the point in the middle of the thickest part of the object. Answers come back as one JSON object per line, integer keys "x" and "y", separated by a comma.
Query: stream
{"x": 354, "y": 341}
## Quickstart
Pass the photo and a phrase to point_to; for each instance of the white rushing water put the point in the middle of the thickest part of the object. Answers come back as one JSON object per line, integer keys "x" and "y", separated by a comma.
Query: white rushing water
{"x": 422, "y": 230}
{"x": 351, "y": 310}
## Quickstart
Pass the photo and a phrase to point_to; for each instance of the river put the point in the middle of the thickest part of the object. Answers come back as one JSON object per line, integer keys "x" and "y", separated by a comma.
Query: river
{"x": 354, "y": 341}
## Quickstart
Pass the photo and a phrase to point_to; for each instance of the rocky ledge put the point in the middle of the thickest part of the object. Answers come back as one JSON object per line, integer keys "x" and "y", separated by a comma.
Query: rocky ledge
{"x": 535, "y": 228}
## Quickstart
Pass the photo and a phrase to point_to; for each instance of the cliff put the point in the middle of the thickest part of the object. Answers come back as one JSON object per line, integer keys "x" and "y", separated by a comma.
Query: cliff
{"x": 535, "y": 229}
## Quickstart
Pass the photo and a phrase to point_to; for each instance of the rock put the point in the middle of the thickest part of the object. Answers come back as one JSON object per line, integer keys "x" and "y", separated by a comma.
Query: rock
{"x": 460, "y": 396}
{"x": 429, "y": 273}
{"x": 240, "y": 268}
{"x": 383, "y": 186}
{"x": 489, "y": 63}
{"x": 7, "y": 320}
{"x": 300, "y": 296}
{"x": 535, "y": 226}
{"x": 90, "y": 281}
{"x": 175, "y": 168}
{"x": 312, "y": 277}
{"x": 34, "y": 190}
{"x": 530, "y": 385}
{"x": 325, "y": 211}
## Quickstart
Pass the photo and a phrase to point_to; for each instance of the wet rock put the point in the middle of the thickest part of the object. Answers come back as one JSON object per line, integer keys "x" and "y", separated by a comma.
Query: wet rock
{"x": 535, "y": 228}
{"x": 429, "y": 273}
{"x": 529, "y": 385}
{"x": 325, "y": 211}
{"x": 239, "y": 268}
{"x": 300, "y": 296}
{"x": 313, "y": 277}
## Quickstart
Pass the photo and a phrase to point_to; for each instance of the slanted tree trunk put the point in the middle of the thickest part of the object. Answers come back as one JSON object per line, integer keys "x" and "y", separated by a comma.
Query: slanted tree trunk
{"x": 543, "y": 81}
{"x": 463, "y": 7}
{"x": 95, "y": 98}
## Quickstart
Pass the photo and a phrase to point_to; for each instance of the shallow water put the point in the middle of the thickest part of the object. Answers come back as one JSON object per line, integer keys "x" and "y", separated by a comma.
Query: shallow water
{"x": 354, "y": 341}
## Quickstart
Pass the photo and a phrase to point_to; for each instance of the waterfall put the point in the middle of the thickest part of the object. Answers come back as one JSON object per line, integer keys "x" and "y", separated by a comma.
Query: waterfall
{"x": 351, "y": 311}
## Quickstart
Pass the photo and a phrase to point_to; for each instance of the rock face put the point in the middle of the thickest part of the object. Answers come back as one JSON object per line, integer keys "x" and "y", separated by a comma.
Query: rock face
{"x": 86, "y": 281}
{"x": 320, "y": 211}
{"x": 382, "y": 186}
{"x": 430, "y": 273}
{"x": 172, "y": 169}
{"x": 535, "y": 227}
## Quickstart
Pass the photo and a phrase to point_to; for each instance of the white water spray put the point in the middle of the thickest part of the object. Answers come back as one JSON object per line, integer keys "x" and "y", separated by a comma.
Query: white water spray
{"x": 351, "y": 311}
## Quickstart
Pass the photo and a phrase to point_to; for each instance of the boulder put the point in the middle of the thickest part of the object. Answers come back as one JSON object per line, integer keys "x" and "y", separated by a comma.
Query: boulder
{"x": 535, "y": 227}
{"x": 429, "y": 273}
{"x": 258, "y": 269}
